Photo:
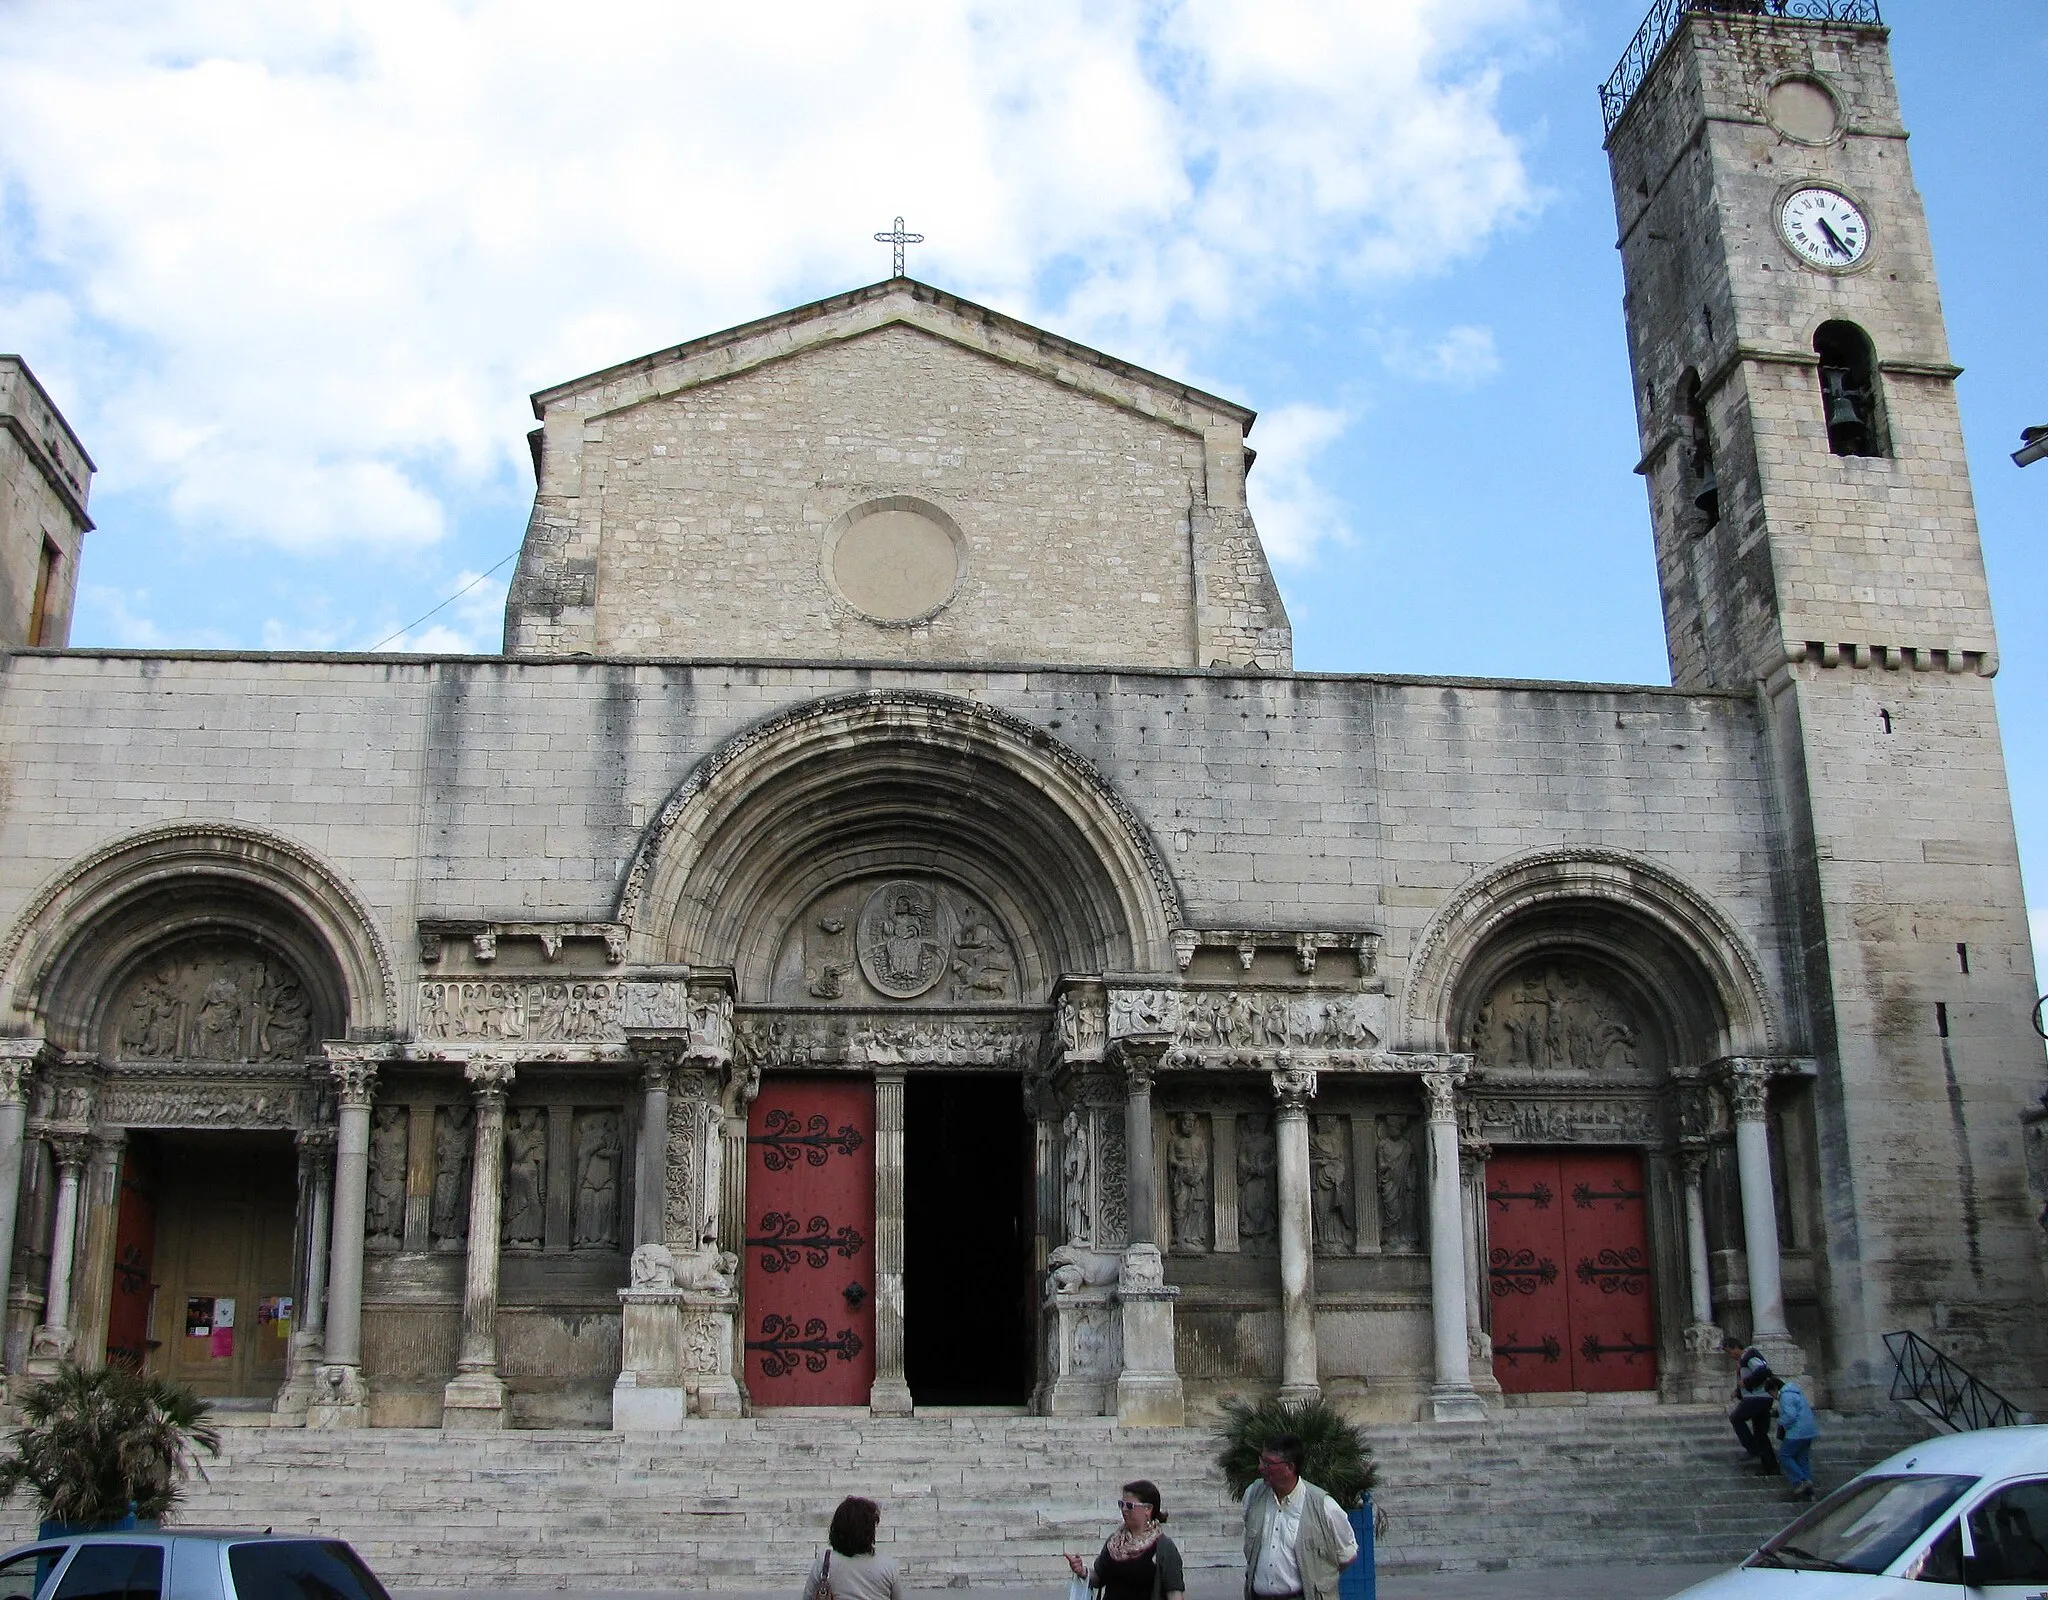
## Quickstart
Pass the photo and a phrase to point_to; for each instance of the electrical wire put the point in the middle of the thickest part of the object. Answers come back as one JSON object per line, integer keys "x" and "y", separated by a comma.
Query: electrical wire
{"x": 457, "y": 595}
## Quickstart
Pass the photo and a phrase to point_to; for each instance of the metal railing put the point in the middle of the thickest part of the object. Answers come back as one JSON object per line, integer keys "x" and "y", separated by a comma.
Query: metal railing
{"x": 1945, "y": 1391}
{"x": 1665, "y": 16}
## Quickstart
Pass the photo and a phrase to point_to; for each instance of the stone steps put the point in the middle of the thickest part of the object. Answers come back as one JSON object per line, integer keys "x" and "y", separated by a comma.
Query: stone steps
{"x": 983, "y": 1500}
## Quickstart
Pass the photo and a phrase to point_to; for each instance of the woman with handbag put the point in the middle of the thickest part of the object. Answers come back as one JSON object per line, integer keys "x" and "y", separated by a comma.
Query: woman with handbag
{"x": 1139, "y": 1562}
{"x": 849, "y": 1569}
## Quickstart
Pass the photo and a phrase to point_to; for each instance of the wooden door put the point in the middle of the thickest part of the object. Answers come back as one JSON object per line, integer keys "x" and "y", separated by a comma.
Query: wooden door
{"x": 810, "y": 1281}
{"x": 1568, "y": 1271}
{"x": 128, "y": 1340}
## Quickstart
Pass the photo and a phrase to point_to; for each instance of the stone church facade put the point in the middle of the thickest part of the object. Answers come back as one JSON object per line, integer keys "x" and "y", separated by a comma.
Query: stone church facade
{"x": 893, "y": 929}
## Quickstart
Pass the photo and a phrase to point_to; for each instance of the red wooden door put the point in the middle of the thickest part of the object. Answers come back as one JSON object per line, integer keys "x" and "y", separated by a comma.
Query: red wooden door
{"x": 134, "y": 1268}
{"x": 1568, "y": 1271}
{"x": 810, "y": 1242}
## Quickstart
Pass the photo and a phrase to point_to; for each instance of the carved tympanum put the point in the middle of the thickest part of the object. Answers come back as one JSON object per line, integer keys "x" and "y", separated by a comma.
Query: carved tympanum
{"x": 904, "y": 939}
{"x": 1555, "y": 1016}
{"x": 215, "y": 1001}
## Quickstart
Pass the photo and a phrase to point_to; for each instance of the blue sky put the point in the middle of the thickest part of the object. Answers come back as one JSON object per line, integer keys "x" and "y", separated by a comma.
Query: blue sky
{"x": 292, "y": 271}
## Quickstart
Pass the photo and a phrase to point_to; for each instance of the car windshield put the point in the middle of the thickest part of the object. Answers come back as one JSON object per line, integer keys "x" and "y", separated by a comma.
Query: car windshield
{"x": 1864, "y": 1527}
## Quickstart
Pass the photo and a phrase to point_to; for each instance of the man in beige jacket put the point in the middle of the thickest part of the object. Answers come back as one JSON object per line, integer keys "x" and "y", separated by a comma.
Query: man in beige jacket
{"x": 1296, "y": 1538}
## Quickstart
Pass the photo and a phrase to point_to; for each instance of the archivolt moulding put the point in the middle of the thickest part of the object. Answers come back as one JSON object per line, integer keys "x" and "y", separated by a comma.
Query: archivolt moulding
{"x": 1557, "y": 879}
{"x": 228, "y": 857}
{"x": 731, "y": 825}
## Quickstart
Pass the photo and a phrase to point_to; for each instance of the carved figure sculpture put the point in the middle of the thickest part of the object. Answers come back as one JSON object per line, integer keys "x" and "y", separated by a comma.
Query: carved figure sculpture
{"x": 1069, "y": 1025}
{"x": 384, "y": 1219}
{"x": 1400, "y": 1226}
{"x": 653, "y": 1267}
{"x": 453, "y": 1147}
{"x": 1187, "y": 1180}
{"x": 1330, "y": 1178}
{"x": 217, "y": 1027}
{"x": 980, "y": 961}
{"x": 283, "y": 1017}
{"x": 597, "y": 1181}
{"x": 706, "y": 1271}
{"x": 526, "y": 1157}
{"x": 1258, "y": 1203}
{"x": 155, "y": 1020}
{"x": 1558, "y": 1017}
{"x": 1072, "y": 1267}
{"x": 1074, "y": 1170}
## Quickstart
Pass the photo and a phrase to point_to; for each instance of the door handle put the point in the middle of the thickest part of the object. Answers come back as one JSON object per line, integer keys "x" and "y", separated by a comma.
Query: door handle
{"x": 855, "y": 1294}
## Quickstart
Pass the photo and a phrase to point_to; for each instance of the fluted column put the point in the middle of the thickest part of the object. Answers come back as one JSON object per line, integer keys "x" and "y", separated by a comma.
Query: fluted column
{"x": 342, "y": 1399}
{"x": 1453, "y": 1398}
{"x": 309, "y": 1314}
{"x": 1292, "y": 1091}
{"x": 1749, "y": 1088}
{"x": 53, "y": 1339}
{"x": 1149, "y": 1392}
{"x": 18, "y": 1058}
{"x": 475, "y": 1396}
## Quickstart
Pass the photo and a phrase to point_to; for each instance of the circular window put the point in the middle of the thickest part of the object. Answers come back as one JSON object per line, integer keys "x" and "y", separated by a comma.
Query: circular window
{"x": 896, "y": 560}
{"x": 1803, "y": 110}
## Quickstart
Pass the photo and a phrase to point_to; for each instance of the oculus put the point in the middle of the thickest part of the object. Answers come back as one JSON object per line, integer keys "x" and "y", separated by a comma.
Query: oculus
{"x": 895, "y": 560}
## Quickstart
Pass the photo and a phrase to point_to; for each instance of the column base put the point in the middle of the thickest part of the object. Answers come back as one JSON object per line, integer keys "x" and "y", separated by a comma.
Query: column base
{"x": 1456, "y": 1405}
{"x": 340, "y": 1399}
{"x": 1150, "y": 1400}
{"x": 288, "y": 1410}
{"x": 889, "y": 1397}
{"x": 48, "y": 1349}
{"x": 473, "y": 1402}
{"x": 1295, "y": 1394}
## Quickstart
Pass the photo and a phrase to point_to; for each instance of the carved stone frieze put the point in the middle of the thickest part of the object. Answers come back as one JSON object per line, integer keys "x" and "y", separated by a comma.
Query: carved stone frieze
{"x": 1577, "y": 1120}
{"x": 783, "y": 1039}
{"x": 215, "y": 1001}
{"x": 158, "y": 1100}
{"x": 1081, "y": 1022}
{"x": 546, "y": 1011}
{"x": 1246, "y": 1029}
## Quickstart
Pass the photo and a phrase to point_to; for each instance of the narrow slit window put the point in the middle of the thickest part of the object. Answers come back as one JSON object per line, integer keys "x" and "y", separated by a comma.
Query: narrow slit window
{"x": 1850, "y": 400}
{"x": 40, "y": 622}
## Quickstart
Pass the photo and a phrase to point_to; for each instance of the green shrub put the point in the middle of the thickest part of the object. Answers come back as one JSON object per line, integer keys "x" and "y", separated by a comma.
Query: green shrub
{"x": 1338, "y": 1460}
{"x": 94, "y": 1445}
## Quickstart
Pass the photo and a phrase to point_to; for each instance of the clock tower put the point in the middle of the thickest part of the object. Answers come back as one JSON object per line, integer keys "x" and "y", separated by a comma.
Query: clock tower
{"x": 1817, "y": 545}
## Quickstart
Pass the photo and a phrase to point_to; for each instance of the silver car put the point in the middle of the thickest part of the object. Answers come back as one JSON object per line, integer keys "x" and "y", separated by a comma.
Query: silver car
{"x": 182, "y": 1564}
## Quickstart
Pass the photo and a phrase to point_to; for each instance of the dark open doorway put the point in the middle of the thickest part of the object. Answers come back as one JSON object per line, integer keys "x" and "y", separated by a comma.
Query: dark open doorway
{"x": 967, "y": 1240}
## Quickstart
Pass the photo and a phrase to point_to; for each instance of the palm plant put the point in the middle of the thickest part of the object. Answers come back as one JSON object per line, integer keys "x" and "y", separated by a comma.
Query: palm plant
{"x": 1337, "y": 1459}
{"x": 102, "y": 1444}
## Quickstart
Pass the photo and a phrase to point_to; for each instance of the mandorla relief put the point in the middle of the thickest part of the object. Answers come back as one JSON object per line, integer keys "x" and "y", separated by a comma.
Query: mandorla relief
{"x": 898, "y": 941}
{"x": 1555, "y": 1017}
{"x": 217, "y": 1003}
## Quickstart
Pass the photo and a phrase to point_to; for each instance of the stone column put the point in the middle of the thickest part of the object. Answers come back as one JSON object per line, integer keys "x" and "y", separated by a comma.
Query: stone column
{"x": 1473, "y": 1154}
{"x": 342, "y": 1400}
{"x": 1692, "y": 1162}
{"x": 475, "y": 1397}
{"x": 1453, "y": 1399}
{"x": 54, "y": 1339}
{"x": 1140, "y": 1057}
{"x": 18, "y": 1058}
{"x": 1749, "y": 1088}
{"x": 1292, "y": 1091}
{"x": 1149, "y": 1393}
{"x": 309, "y": 1312}
{"x": 99, "y": 1207}
{"x": 890, "y": 1395}
{"x": 650, "y": 1177}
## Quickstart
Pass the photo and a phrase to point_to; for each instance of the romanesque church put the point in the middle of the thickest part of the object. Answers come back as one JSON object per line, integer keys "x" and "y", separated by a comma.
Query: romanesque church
{"x": 892, "y": 932}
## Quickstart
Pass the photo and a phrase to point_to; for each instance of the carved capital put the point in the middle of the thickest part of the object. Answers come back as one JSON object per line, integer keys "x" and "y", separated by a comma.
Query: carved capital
{"x": 15, "y": 1072}
{"x": 1139, "y": 1056}
{"x": 1293, "y": 1089}
{"x": 1749, "y": 1087}
{"x": 1692, "y": 1161}
{"x": 1442, "y": 1089}
{"x": 654, "y": 1073}
{"x": 353, "y": 1067}
{"x": 70, "y": 1150}
{"x": 489, "y": 1076}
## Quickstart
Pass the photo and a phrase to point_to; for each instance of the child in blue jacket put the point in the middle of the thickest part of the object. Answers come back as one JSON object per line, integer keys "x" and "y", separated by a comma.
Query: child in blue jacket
{"x": 1797, "y": 1429}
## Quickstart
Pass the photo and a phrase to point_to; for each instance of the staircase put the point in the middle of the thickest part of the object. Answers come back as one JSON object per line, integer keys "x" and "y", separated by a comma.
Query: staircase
{"x": 979, "y": 1500}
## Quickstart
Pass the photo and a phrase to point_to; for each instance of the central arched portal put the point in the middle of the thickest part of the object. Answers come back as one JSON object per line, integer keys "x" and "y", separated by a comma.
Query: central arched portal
{"x": 896, "y": 884}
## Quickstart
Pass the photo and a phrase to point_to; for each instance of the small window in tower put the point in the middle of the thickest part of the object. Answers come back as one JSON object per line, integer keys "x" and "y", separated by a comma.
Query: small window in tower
{"x": 1849, "y": 395}
{"x": 41, "y": 623}
{"x": 1703, "y": 487}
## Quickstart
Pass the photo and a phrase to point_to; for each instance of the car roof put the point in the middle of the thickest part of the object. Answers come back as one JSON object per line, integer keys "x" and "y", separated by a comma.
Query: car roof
{"x": 184, "y": 1535}
{"x": 1986, "y": 1453}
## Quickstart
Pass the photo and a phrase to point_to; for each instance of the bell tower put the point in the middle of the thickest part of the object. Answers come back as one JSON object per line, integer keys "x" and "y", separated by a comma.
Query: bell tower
{"x": 1817, "y": 543}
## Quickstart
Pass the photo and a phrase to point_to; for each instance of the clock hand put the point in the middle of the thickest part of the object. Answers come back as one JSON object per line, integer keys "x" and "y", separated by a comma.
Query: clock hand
{"x": 1833, "y": 238}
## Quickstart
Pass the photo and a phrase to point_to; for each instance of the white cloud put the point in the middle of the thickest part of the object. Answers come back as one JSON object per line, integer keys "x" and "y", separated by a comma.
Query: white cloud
{"x": 1462, "y": 357}
{"x": 295, "y": 266}
{"x": 1295, "y": 514}
{"x": 471, "y": 624}
{"x": 2037, "y": 924}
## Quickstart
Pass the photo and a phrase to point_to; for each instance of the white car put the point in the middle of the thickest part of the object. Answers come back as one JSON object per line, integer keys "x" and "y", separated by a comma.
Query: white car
{"x": 1964, "y": 1516}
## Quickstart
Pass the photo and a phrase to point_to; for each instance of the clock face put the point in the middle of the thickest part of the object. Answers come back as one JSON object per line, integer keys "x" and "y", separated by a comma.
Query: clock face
{"x": 1824, "y": 227}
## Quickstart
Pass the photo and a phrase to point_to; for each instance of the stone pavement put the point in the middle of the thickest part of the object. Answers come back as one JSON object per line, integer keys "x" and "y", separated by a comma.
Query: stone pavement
{"x": 1619, "y": 1582}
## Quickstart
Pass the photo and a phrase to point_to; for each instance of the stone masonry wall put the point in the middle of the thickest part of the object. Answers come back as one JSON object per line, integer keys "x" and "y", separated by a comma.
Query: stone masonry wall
{"x": 45, "y": 478}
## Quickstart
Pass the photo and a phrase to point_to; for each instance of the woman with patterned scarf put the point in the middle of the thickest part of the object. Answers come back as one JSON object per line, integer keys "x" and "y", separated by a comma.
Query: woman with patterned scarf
{"x": 1139, "y": 1562}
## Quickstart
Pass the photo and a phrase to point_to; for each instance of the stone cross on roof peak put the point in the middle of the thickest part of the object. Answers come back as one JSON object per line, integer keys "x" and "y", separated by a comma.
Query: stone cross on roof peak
{"x": 898, "y": 238}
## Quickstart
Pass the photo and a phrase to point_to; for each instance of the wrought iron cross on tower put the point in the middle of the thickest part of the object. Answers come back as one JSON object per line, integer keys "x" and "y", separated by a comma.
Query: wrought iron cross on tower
{"x": 898, "y": 238}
